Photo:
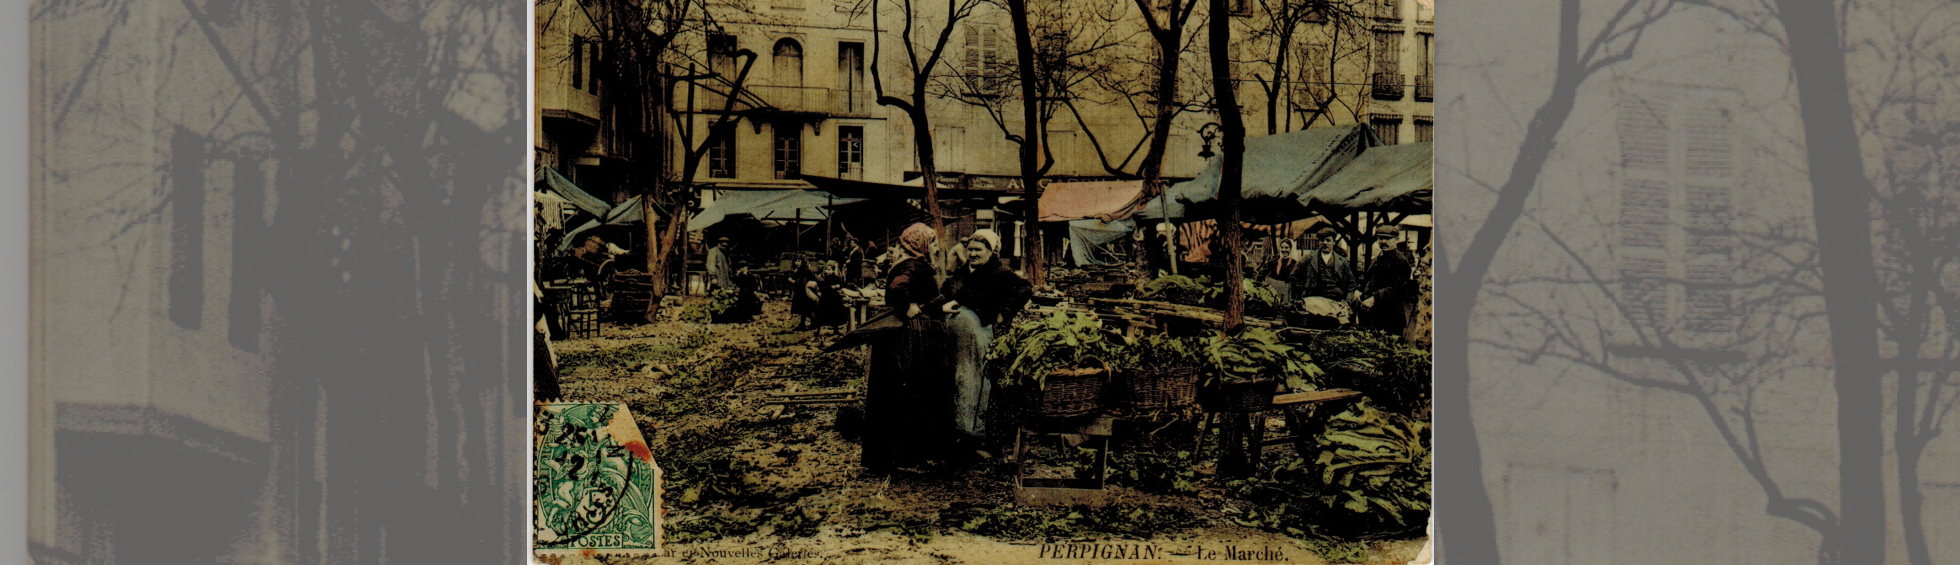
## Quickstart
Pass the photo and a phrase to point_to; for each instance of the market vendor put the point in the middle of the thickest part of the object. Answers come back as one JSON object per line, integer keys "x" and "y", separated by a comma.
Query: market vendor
{"x": 1279, "y": 272}
{"x": 1387, "y": 297}
{"x": 904, "y": 425}
{"x": 1325, "y": 273}
{"x": 984, "y": 295}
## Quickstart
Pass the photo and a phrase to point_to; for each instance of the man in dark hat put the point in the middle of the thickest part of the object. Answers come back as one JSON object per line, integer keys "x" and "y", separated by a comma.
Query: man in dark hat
{"x": 1388, "y": 294}
{"x": 720, "y": 269}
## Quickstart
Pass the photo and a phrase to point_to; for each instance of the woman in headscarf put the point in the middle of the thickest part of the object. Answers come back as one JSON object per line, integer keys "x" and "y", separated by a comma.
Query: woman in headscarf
{"x": 909, "y": 365}
{"x": 831, "y": 311}
{"x": 984, "y": 295}
{"x": 803, "y": 295}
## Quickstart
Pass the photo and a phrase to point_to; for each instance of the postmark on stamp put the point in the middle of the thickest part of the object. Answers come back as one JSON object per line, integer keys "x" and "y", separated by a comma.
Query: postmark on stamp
{"x": 594, "y": 483}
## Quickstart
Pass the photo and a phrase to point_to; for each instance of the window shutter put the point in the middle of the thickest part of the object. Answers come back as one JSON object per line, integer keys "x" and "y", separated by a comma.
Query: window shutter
{"x": 972, "y": 52}
{"x": 991, "y": 47}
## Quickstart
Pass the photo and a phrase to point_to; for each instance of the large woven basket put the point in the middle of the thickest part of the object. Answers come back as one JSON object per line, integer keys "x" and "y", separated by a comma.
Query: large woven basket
{"x": 1240, "y": 396}
{"x": 1158, "y": 388}
{"x": 1070, "y": 392}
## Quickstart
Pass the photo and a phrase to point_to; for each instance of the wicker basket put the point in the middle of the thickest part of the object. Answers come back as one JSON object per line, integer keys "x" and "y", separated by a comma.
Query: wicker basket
{"x": 1239, "y": 396}
{"x": 1070, "y": 392}
{"x": 1156, "y": 388}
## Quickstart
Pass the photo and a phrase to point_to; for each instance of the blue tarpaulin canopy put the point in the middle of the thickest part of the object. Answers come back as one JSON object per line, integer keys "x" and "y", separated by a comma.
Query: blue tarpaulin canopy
{"x": 768, "y": 205}
{"x": 625, "y": 213}
{"x": 1390, "y": 178}
{"x": 1087, "y": 236}
{"x": 550, "y": 181}
{"x": 1278, "y": 170}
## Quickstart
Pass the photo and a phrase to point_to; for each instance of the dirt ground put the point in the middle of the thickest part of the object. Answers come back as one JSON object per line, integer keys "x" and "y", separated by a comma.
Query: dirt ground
{"x": 750, "y": 482}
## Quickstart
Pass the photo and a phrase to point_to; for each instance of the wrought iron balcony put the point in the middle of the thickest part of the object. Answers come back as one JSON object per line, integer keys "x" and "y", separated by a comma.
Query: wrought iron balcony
{"x": 1388, "y": 85}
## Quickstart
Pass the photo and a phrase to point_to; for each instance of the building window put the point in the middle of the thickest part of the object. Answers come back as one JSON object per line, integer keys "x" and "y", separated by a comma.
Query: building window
{"x": 1425, "y": 80}
{"x": 1388, "y": 9}
{"x": 983, "y": 61}
{"x": 1312, "y": 88}
{"x": 721, "y": 154}
{"x": 1388, "y": 65}
{"x": 187, "y": 166}
{"x": 1425, "y": 130}
{"x": 850, "y": 66}
{"x": 1677, "y": 157}
{"x": 592, "y": 52}
{"x": 1386, "y": 128}
{"x": 789, "y": 63}
{"x": 578, "y": 62}
{"x": 789, "y": 151}
{"x": 721, "y": 55}
{"x": 850, "y": 152}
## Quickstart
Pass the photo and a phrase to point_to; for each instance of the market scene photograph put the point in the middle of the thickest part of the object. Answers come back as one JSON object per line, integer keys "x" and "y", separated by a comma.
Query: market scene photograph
{"x": 982, "y": 281}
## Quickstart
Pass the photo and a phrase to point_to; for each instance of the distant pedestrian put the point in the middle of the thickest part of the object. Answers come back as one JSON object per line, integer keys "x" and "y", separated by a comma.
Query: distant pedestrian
{"x": 720, "y": 269}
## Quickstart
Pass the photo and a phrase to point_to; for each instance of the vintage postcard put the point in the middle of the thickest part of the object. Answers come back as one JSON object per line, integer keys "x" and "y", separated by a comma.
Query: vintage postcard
{"x": 982, "y": 281}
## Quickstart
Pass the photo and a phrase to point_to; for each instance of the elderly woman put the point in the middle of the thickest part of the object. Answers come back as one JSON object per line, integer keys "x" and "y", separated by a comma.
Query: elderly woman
{"x": 829, "y": 286}
{"x": 909, "y": 365}
{"x": 983, "y": 296}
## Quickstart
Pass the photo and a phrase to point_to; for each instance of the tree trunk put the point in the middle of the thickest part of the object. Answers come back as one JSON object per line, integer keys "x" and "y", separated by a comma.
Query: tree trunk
{"x": 929, "y": 172}
{"x": 1231, "y": 165}
{"x": 1841, "y": 199}
{"x": 1030, "y": 174}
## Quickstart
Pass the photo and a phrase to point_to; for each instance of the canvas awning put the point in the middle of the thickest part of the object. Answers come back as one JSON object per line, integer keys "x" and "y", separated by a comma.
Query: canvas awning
{"x": 768, "y": 205}
{"x": 1097, "y": 200}
{"x": 1278, "y": 169}
{"x": 550, "y": 181}
{"x": 625, "y": 213}
{"x": 1391, "y": 178}
{"x": 1086, "y": 238}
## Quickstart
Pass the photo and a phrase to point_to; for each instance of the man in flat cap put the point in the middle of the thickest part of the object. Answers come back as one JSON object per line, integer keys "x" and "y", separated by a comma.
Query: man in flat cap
{"x": 1390, "y": 288}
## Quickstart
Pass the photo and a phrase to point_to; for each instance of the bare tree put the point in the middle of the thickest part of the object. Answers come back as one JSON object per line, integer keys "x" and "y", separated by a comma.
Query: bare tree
{"x": 1460, "y": 279}
{"x": 1579, "y": 317}
{"x": 1231, "y": 162}
{"x": 1303, "y": 47}
{"x": 1917, "y": 220}
{"x": 1060, "y": 45}
{"x": 923, "y": 38}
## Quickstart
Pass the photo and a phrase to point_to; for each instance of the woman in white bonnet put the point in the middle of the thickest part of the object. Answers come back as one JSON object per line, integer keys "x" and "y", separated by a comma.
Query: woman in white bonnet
{"x": 983, "y": 296}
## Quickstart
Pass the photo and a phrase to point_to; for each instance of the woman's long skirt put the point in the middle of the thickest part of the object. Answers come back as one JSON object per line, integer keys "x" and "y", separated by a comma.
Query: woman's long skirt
{"x": 903, "y": 426}
{"x": 971, "y": 339}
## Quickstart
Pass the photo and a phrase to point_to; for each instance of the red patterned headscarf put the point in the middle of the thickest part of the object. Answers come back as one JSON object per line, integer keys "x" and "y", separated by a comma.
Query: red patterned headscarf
{"x": 917, "y": 240}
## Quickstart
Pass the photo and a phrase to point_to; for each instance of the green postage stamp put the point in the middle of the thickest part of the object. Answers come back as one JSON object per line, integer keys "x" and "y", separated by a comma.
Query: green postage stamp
{"x": 595, "y": 486}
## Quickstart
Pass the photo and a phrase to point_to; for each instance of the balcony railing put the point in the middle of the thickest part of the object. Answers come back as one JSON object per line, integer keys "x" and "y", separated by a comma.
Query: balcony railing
{"x": 817, "y": 100}
{"x": 1425, "y": 88}
{"x": 1388, "y": 86}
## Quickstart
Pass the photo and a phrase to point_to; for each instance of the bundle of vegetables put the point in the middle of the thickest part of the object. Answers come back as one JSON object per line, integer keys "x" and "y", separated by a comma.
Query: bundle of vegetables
{"x": 1393, "y": 374}
{"x": 1258, "y": 354}
{"x": 1162, "y": 351}
{"x": 1375, "y": 467}
{"x": 722, "y": 301}
{"x": 1175, "y": 289}
{"x": 1027, "y": 352}
{"x": 1259, "y": 300}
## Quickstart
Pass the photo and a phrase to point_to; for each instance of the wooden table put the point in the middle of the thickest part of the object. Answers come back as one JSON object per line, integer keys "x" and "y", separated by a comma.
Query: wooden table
{"x": 1244, "y": 432}
{"x": 1040, "y": 492}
